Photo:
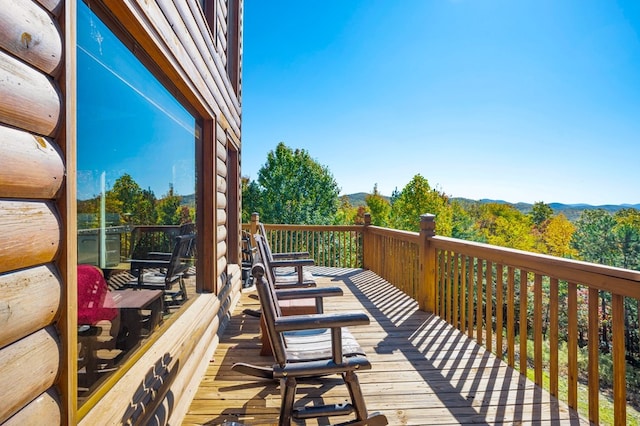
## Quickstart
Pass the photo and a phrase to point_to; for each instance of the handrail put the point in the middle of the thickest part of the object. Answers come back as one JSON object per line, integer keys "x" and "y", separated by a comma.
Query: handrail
{"x": 503, "y": 298}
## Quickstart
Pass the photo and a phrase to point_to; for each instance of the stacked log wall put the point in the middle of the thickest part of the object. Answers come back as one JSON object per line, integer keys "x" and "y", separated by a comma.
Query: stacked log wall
{"x": 32, "y": 171}
{"x": 33, "y": 278}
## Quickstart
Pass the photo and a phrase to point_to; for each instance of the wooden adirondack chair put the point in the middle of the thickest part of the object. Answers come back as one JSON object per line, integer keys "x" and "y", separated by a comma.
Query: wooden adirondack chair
{"x": 300, "y": 279}
{"x": 315, "y": 345}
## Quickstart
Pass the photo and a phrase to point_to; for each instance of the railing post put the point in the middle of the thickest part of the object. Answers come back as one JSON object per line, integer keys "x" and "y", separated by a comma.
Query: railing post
{"x": 253, "y": 227}
{"x": 427, "y": 295}
{"x": 366, "y": 246}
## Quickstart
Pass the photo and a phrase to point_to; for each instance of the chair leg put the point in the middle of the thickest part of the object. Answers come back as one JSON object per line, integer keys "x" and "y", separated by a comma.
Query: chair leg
{"x": 357, "y": 399}
{"x": 288, "y": 390}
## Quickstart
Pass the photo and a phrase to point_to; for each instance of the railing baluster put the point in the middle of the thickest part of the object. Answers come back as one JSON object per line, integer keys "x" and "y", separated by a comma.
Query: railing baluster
{"x": 470, "y": 298}
{"x": 499, "y": 310}
{"x": 456, "y": 292}
{"x": 594, "y": 356}
{"x": 479, "y": 306}
{"x": 572, "y": 344}
{"x": 489, "y": 305}
{"x": 619, "y": 361}
{"x": 511, "y": 310}
{"x": 537, "y": 328}
{"x": 553, "y": 336}
{"x": 441, "y": 302}
{"x": 449, "y": 287}
{"x": 463, "y": 286}
{"x": 523, "y": 321}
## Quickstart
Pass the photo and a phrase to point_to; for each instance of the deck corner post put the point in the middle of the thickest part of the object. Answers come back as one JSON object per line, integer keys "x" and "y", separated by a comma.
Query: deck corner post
{"x": 366, "y": 242}
{"x": 253, "y": 227}
{"x": 427, "y": 292}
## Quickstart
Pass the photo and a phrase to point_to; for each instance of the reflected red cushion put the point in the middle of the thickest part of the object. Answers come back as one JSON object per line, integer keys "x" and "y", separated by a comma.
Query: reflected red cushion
{"x": 94, "y": 300}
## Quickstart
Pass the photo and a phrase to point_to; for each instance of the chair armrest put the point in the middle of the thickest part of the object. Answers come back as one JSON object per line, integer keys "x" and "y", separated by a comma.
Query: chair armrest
{"x": 317, "y": 293}
{"x": 314, "y": 321}
{"x": 150, "y": 262}
{"x": 291, "y": 255}
{"x": 305, "y": 293}
{"x": 282, "y": 263}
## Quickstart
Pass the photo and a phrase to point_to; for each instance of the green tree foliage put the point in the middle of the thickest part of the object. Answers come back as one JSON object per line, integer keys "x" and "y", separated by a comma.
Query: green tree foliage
{"x": 379, "y": 208}
{"x": 627, "y": 234}
{"x": 540, "y": 214}
{"x": 418, "y": 198}
{"x": 296, "y": 189}
{"x": 504, "y": 225}
{"x": 168, "y": 209}
{"x": 135, "y": 205}
{"x": 463, "y": 225}
{"x": 250, "y": 199}
{"x": 346, "y": 214}
{"x": 594, "y": 238}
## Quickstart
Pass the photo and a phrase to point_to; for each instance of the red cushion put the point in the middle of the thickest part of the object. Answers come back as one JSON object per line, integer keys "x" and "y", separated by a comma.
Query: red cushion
{"x": 94, "y": 300}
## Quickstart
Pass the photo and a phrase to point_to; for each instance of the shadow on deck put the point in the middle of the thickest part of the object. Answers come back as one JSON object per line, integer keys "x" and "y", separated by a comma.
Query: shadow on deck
{"x": 424, "y": 372}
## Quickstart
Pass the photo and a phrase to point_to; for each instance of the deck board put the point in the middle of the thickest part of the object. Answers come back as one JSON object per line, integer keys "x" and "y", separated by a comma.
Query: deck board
{"x": 424, "y": 371}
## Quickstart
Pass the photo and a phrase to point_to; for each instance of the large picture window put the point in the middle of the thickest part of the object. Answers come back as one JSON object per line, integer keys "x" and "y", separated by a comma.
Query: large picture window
{"x": 136, "y": 186}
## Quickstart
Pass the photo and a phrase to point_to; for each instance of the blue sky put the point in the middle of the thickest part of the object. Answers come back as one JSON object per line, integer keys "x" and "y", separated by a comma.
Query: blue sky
{"x": 523, "y": 100}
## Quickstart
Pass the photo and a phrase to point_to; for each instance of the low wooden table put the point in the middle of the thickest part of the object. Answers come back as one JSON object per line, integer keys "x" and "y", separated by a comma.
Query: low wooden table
{"x": 130, "y": 302}
{"x": 288, "y": 307}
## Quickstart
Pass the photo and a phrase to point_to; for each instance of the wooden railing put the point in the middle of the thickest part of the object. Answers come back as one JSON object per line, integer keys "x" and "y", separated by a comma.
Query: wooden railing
{"x": 332, "y": 246}
{"x": 505, "y": 299}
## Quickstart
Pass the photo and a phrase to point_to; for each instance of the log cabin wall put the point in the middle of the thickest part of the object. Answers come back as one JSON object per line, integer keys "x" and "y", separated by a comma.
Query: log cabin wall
{"x": 36, "y": 222}
{"x": 31, "y": 178}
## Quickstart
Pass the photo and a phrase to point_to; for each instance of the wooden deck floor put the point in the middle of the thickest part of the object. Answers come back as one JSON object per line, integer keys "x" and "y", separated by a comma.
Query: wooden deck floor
{"x": 424, "y": 371}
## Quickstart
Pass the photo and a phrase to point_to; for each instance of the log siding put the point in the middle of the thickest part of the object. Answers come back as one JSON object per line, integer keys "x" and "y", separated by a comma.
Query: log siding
{"x": 38, "y": 211}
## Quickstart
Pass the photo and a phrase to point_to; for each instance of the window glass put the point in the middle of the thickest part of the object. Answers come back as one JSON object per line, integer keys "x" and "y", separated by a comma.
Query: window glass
{"x": 136, "y": 180}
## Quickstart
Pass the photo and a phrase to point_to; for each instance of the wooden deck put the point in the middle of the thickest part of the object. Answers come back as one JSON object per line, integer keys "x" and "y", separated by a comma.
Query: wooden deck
{"x": 424, "y": 371}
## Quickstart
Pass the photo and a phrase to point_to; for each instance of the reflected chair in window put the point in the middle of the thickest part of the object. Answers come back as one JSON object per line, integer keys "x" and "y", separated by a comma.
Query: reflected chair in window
{"x": 160, "y": 273}
{"x": 98, "y": 326}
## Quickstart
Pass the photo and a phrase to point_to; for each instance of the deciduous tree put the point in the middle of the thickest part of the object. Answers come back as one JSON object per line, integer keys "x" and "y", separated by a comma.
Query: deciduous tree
{"x": 296, "y": 189}
{"x": 418, "y": 198}
{"x": 379, "y": 207}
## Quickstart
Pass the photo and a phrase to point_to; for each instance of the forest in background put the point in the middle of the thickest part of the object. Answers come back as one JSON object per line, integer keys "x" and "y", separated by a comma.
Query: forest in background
{"x": 292, "y": 188}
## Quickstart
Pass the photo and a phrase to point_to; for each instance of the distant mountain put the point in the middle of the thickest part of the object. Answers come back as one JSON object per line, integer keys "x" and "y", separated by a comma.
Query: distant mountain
{"x": 571, "y": 211}
{"x": 358, "y": 199}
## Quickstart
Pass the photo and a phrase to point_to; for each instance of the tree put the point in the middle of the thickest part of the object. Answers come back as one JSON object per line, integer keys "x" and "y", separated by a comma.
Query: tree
{"x": 418, "y": 198}
{"x": 379, "y": 208}
{"x": 594, "y": 238}
{"x": 540, "y": 214}
{"x": 503, "y": 225}
{"x": 627, "y": 234}
{"x": 250, "y": 199}
{"x": 127, "y": 198}
{"x": 296, "y": 189}
{"x": 557, "y": 237}
{"x": 346, "y": 214}
{"x": 168, "y": 209}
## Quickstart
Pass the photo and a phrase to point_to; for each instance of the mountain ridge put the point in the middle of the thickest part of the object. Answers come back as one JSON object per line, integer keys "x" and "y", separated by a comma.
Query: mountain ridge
{"x": 571, "y": 211}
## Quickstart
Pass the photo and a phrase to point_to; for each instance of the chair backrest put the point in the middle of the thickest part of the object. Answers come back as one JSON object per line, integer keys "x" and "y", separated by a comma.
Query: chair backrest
{"x": 270, "y": 311}
{"x": 181, "y": 258}
{"x": 265, "y": 255}
{"x": 94, "y": 300}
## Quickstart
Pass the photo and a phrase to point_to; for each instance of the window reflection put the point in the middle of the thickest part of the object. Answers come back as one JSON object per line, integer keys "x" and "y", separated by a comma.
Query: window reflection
{"x": 136, "y": 184}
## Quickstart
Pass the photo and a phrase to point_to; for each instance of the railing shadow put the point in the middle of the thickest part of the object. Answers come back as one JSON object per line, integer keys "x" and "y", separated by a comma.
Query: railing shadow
{"x": 466, "y": 378}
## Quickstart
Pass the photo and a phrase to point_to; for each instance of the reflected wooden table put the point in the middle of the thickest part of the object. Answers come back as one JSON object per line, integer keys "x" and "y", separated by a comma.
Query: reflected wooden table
{"x": 131, "y": 303}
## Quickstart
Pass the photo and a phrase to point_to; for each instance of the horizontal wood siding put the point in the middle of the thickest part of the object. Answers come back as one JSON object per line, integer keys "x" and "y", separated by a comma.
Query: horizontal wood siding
{"x": 31, "y": 177}
{"x": 20, "y": 312}
{"x": 28, "y": 32}
{"x": 32, "y": 166}
{"x": 23, "y": 87}
{"x": 28, "y": 368}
